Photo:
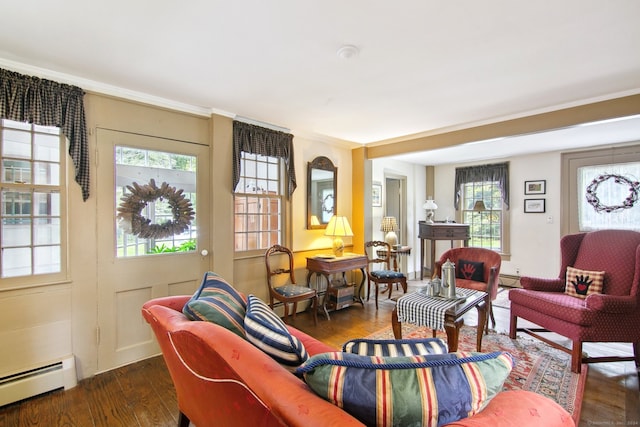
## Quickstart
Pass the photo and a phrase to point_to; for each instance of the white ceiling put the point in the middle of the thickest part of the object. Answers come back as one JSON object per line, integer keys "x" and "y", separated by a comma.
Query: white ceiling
{"x": 422, "y": 65}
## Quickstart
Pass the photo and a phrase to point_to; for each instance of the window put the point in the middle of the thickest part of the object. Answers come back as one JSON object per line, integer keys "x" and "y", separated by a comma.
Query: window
{"x": 177, "y": 170}
{"x": 33, "y": 198}
{"x": 258, "y": 203}
{"x": 485, "y": 226}
{"x": 610, "y": 191}
{"x": 579, "y": 169}
{"x": 488, "y": 224}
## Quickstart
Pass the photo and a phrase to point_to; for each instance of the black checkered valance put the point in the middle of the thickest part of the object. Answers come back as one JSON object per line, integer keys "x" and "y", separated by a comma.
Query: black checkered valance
{"x": 48, "y": 103}
{"x": 266, "y": 142}
{"x": 497, "y": 172}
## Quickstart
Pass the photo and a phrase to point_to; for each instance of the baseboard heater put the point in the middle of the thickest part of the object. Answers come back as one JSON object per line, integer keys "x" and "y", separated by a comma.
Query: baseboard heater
{"x": 509, "y": 280}
{"x": 61, "y": 374}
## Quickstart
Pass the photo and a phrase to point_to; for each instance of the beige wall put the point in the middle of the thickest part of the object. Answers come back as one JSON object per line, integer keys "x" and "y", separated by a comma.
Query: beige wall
{"x": 49, "y": 322}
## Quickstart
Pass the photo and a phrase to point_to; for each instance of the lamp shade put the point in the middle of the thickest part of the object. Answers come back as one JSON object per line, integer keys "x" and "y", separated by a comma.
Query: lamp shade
{"x": 338, "y": 227}
{"x": 479, "y": 206}
{"x": 389, "y": 223}
{"x": 430, "y": 205}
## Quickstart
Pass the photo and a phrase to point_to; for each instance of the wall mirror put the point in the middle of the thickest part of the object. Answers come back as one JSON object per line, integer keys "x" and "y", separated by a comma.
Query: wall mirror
{"x": 322, "y": 192}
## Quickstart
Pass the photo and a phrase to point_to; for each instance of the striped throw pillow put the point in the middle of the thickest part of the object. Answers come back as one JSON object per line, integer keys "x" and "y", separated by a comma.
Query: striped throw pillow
{"x": 419, "y": 390}
{"x": 218, "y": 302}
{"x": 392, "y": 348}
{"x": 267, "y": 331}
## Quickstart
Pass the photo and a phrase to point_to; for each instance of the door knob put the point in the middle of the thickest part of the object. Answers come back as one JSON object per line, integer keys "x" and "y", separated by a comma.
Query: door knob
{"x": 204, "y": 252}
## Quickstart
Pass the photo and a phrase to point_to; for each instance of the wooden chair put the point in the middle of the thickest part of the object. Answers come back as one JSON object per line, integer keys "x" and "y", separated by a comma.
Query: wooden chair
{"x": 379, "y": 254}
{"x": 285, "y": 290}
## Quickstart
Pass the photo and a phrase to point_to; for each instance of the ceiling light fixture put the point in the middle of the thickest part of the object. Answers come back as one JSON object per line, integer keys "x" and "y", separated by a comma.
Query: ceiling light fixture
{"x": 348, "y": 51}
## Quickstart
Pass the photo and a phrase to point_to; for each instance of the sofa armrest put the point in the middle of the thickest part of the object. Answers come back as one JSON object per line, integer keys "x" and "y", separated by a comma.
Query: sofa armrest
{"x": 174, "y": 302}
{"x": 539, "y": 284}
{"x": 611, "y": 303}
{"x": 519, "y": 408}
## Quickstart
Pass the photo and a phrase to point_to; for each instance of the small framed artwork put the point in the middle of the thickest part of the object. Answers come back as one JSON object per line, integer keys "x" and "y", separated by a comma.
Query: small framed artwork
{"x": 534, "y": 205}
{"x": 376, "y": 195}
{"x": 535, "y": 187}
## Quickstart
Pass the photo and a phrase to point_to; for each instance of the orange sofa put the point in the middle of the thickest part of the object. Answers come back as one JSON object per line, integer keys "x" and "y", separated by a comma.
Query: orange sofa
{"x": 223, "y": 380}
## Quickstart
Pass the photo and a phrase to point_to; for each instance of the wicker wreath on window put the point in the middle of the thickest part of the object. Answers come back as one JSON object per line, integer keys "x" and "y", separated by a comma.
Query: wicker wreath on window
{"x": 132, "y": 204}
{"x": 628, "y": 203}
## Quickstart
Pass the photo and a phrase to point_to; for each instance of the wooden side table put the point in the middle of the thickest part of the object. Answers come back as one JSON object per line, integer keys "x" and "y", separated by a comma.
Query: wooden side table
{"x": 439, "y": 231}
{"x": 326, "y": 266}
{"x": 453, "y": 320}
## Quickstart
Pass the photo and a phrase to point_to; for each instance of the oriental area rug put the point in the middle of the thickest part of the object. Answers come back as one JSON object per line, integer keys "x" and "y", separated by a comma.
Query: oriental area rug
{"x": 539, "y": 368}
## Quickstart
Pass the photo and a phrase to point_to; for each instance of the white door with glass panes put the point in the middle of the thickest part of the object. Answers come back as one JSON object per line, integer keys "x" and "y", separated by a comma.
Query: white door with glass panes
{"x": 153, "y": 232}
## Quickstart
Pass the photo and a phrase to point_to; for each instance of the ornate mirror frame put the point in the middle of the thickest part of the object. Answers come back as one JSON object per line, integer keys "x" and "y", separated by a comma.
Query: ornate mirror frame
{"x": 322, "y": 192}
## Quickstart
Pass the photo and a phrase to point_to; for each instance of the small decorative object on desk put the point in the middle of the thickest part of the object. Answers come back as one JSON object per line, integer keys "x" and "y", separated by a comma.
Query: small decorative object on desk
{"x": 435, "y": 286}
{"x": 448, "y": 286}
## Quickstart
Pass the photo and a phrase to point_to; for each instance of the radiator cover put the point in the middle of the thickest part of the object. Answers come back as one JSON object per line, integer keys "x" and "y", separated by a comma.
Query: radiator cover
{"x": 61, "y": 374}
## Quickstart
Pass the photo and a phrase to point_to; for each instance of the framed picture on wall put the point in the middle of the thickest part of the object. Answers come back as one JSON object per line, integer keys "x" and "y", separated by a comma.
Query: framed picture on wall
{"x": 534, "y": 205}
{"x": 376, "y": 195}
{"x": 535, "y": 187}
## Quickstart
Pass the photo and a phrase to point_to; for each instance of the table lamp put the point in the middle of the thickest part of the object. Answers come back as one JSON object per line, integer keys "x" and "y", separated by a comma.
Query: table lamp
{"x": 389, "y": 225}
{"x": 430, "y": 206}
{"x": 338, "y": 227}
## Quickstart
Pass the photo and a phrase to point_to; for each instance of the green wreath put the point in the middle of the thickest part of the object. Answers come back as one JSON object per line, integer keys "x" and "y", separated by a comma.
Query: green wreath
{"x": 628, "y": 203}
{"x": 132, "y": 204}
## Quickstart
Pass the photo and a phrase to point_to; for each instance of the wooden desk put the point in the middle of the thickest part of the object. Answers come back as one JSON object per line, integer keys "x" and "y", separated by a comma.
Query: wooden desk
{"x": 324, "y": 266}
{"x": 439, "y": 231}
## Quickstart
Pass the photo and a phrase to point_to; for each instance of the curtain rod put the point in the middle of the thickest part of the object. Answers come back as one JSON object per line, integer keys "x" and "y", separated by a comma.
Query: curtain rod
{"x": 262, "y": 124}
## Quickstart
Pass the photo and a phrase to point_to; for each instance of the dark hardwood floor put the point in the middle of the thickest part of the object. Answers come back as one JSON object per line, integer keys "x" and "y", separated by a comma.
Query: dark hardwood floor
{"x": 141, "y": 394}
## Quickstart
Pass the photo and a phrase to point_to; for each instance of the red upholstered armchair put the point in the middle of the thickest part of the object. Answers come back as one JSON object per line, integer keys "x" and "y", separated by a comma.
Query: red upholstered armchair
{"x": 610, "y": 316}
{"x": 490, "y": 272}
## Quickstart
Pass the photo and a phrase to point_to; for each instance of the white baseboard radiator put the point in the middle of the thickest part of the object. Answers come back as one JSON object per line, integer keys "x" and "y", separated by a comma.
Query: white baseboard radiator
{"x": 61, "y": 374}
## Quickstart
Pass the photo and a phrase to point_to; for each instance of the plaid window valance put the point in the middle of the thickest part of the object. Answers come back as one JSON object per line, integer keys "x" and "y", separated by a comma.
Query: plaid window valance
{"x": 495, "y": 172}
{"x": 266, "y": 142}
{"x": 48, "y": 103}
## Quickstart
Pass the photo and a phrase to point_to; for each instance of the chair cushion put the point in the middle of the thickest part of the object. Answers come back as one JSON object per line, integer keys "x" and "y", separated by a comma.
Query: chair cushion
{"x": 292, "y": 290}
{"x": 218, "y": 302}
{"x": 419, "y": 390}
{"x": 470, "y": 270}
{"x": 267, "y": 331}
{"x": 406, "y": 347}
{"x": 582, "y": 283}
{"x": 386, "y": 274}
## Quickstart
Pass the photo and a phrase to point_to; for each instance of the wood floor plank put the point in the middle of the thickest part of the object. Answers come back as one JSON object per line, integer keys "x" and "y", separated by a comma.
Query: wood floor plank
{"x": 148, "y": 408}
{"x": 161, "y": 382}
{"x": 71, "y": 408}
{"x": 108, "y": 406}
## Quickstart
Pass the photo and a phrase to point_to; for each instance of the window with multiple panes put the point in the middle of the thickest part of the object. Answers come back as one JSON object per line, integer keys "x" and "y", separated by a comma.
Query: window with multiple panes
{"x": 613, "y": 191}
{"x": 258, "y": 203}
{"x": 177, "y": 170}
{"x": 33, "y": 197}
{"x": 485, "y": 226}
